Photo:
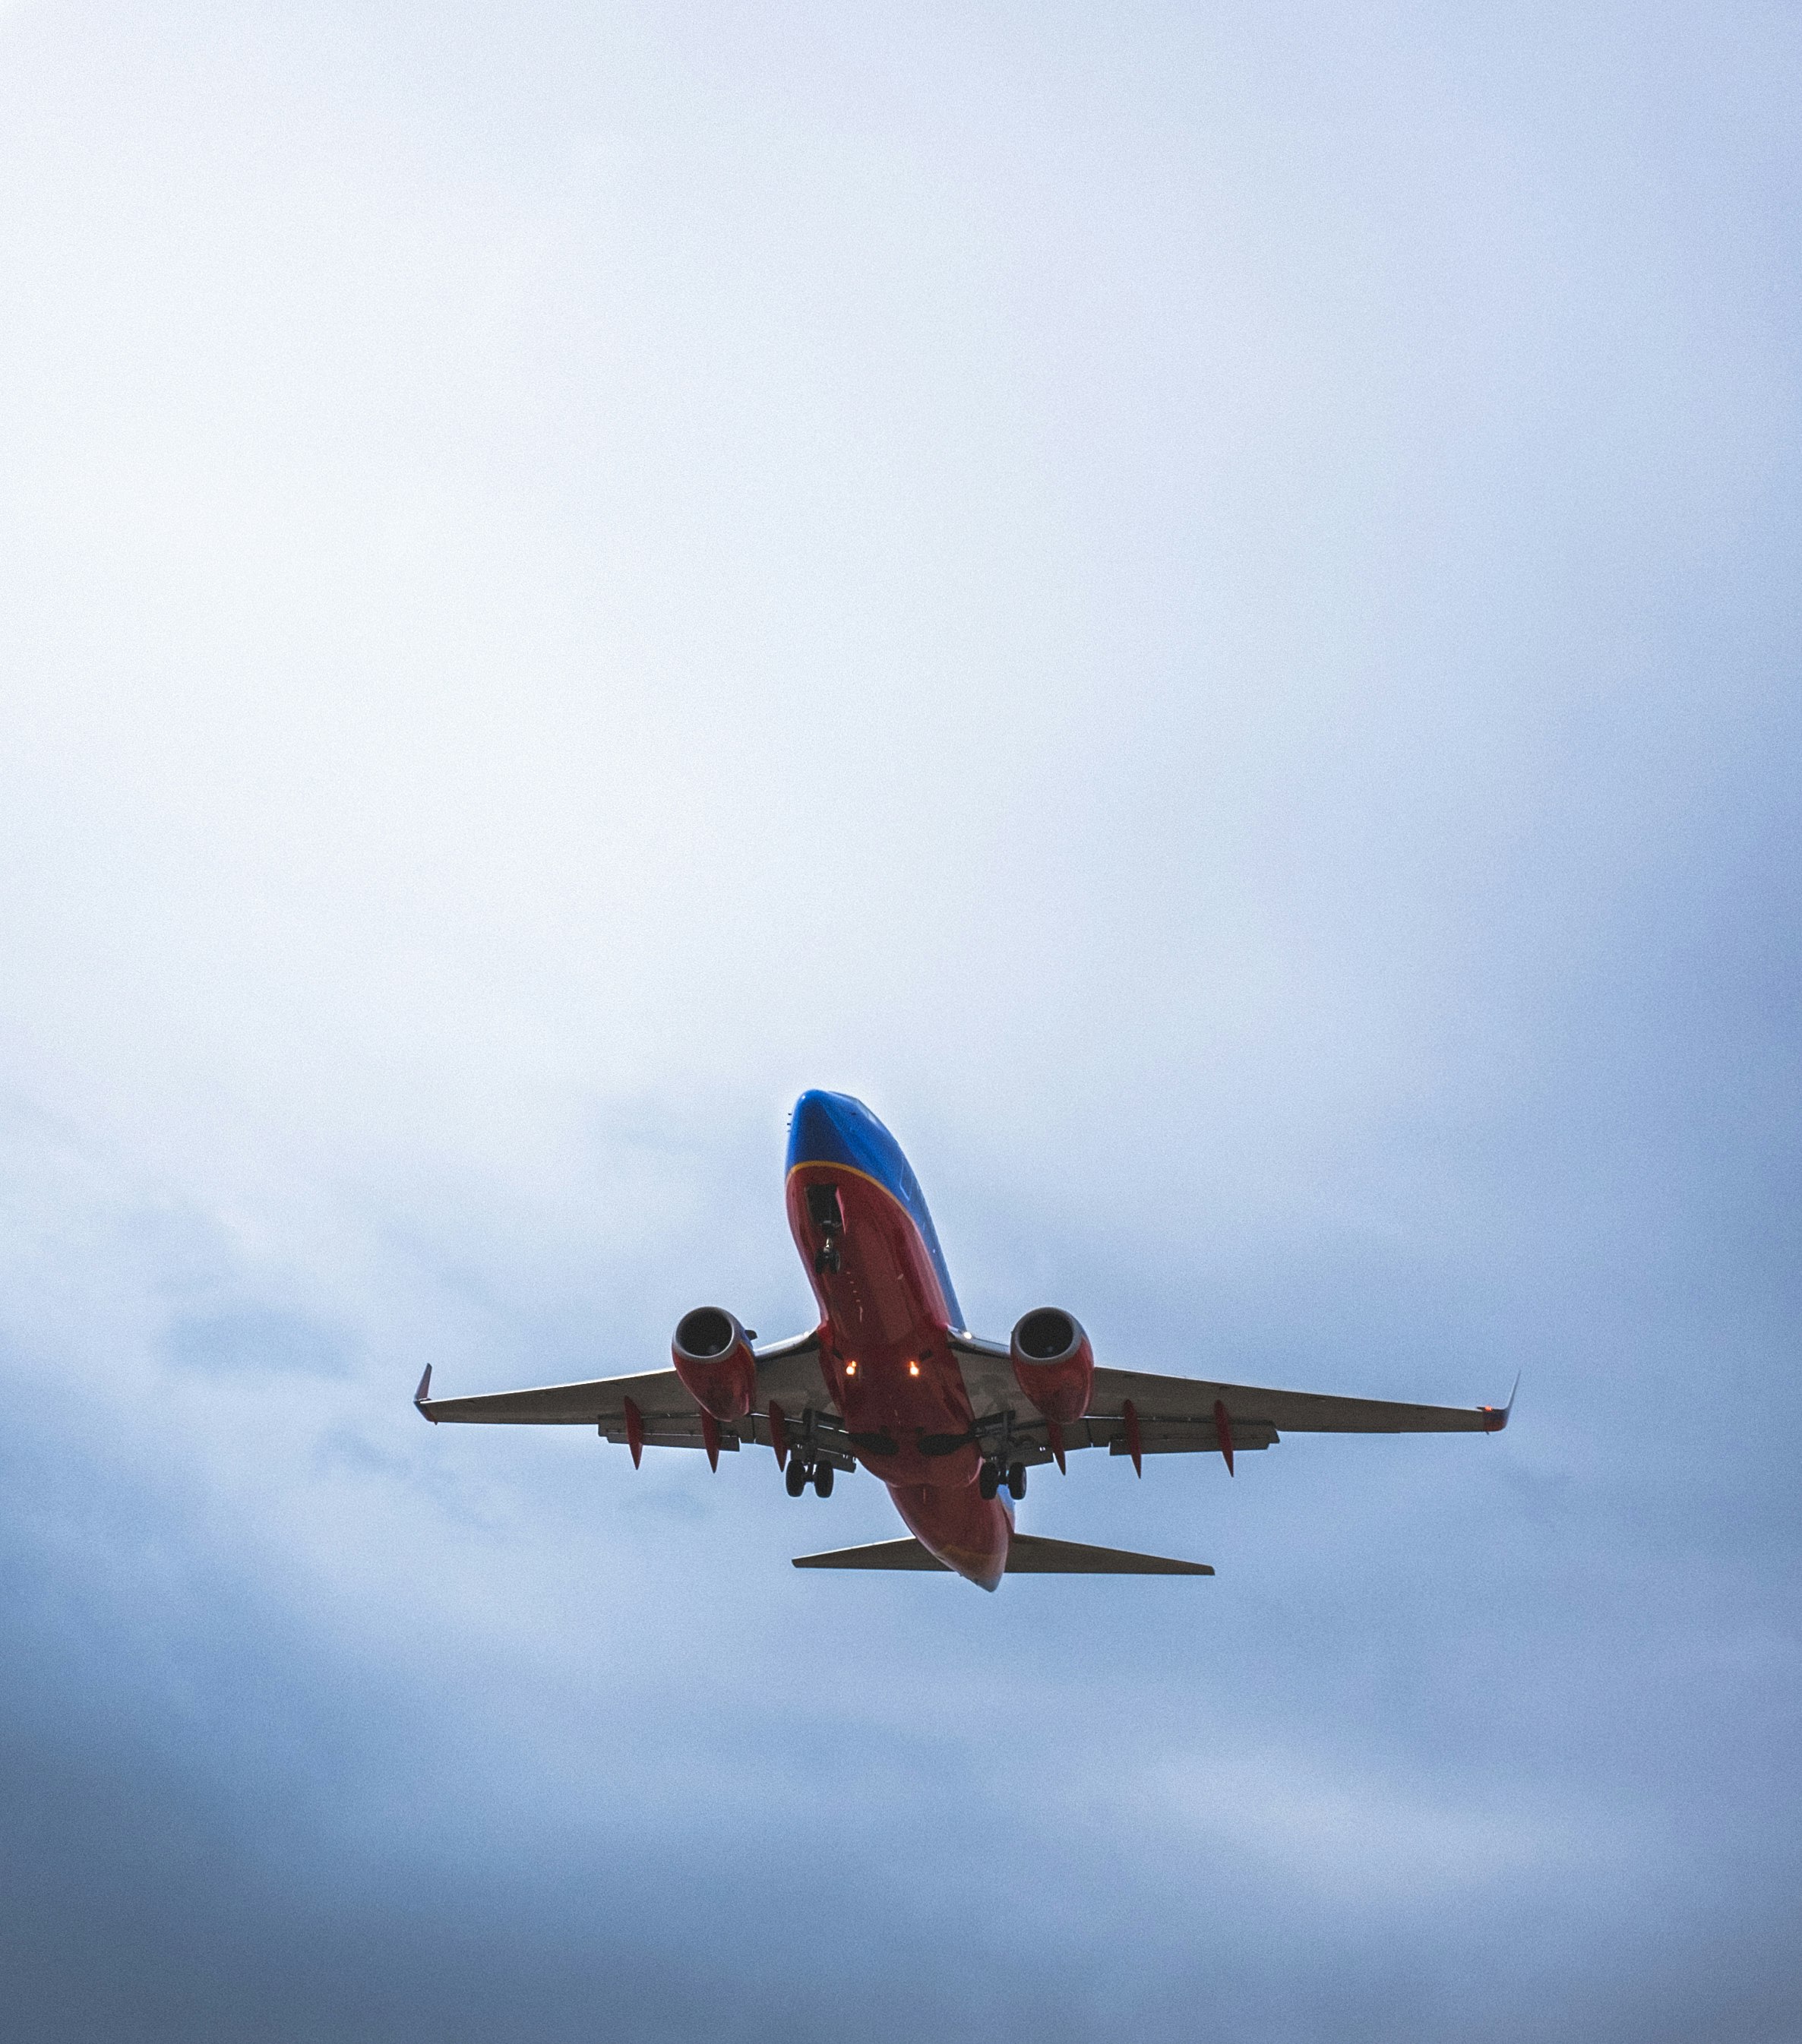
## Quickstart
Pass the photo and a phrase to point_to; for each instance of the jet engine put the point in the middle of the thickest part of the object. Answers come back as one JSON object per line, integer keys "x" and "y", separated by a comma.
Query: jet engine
{"x": 1053, "y": 1364}
{"x": 712, "y": 1354}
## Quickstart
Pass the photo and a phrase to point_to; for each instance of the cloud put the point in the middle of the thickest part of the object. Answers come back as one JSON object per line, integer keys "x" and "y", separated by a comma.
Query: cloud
{"x": 1200, "y": 609}
{"x": 1357, "y": 1837}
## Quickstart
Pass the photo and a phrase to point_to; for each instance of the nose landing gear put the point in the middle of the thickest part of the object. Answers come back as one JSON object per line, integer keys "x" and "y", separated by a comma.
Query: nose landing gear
{"x": 827, "y": 1215}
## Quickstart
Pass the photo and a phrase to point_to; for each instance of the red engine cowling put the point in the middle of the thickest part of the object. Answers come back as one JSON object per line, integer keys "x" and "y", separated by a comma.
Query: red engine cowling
{"x": 1053, "y": 1364}
{"x": 713, "y": 1357}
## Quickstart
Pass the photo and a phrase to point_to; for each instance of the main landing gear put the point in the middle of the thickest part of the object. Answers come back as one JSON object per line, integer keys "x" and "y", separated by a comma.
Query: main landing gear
{"x": 799, "y": 1474}
{"x": 993, "y": 1475}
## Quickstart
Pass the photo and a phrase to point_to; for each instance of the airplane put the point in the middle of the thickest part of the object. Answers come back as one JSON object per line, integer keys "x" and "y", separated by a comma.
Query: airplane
{"x": 891, "y": 1379}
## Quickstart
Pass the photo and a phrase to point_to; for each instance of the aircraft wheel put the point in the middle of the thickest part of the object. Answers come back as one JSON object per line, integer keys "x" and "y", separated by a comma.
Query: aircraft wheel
{"x": 795, "y": 1477}
{"x": 1017, "y": 1479}
{"x": 823, "y": 1480}
{"x": 989, "y": 1481}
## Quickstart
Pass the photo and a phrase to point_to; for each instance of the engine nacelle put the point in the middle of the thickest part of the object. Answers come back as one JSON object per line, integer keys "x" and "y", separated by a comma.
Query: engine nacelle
{"x": 712, "y": 1354}
{"x": 1053, "y": 1364}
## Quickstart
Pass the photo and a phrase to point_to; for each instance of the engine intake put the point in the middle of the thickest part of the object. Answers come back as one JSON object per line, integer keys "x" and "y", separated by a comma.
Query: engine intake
{"x": 1053, "y": 1364}
{"x": 712, "y": 1354}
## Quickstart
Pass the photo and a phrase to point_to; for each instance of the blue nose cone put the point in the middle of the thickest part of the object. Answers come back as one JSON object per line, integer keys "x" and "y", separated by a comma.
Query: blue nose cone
{"x": 833, "y": 1128}
{"x": 816, "y": 1134}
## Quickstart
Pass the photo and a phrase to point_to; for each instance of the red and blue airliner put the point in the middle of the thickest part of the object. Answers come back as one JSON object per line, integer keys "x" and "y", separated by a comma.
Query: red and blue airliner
{"x": 891, "y": 1379}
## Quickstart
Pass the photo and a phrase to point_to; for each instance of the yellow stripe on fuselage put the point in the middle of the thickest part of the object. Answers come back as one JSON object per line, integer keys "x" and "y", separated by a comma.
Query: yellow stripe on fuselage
{"x": 832, "y": 1164}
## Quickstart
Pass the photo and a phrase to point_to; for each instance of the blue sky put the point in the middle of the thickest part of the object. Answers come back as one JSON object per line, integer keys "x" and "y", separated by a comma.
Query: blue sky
{"x": 1198, "y": 604}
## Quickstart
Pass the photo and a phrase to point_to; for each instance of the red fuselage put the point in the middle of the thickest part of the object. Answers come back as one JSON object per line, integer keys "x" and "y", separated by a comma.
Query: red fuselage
{"x": 887, "y": 1362}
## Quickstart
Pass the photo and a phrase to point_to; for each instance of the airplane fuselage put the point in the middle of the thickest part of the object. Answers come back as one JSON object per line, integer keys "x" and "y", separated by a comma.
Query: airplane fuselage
{"x": 887, "y": 1308}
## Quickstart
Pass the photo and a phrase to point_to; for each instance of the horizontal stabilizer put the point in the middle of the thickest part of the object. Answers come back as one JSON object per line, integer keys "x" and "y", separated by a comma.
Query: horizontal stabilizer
{"x": 880, "y": 1554}
{"x": 1027, "y": 1555}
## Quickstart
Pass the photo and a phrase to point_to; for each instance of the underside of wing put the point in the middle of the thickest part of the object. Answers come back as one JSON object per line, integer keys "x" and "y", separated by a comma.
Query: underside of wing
{"x": 1177, "y": 1402}
{"x": 1132, "y": 1411}
{"x": 657, "y": 1393}
{"x": 661, "y": 1411}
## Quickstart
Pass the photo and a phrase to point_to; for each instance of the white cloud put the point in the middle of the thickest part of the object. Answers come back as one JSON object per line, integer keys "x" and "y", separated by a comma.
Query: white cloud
{"x": 1365, "y": 1837}
{"x": 1196, "y": 604}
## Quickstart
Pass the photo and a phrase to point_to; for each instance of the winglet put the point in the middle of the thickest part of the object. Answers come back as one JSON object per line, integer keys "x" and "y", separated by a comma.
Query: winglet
{"x": 1496, "y": 1420}
{"x": 422, "y": 1397}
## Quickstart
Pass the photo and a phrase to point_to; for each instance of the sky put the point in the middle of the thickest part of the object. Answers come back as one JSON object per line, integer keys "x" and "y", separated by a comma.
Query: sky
{"x": 1199, "y": 604}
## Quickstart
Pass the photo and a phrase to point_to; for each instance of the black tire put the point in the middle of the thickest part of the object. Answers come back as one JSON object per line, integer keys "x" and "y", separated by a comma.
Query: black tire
{"x": 1017, "y": 1479}
{"x": 795, "y": 1476}
{"x": 823, "y": 1480}
{"x": 990, "y": 1481}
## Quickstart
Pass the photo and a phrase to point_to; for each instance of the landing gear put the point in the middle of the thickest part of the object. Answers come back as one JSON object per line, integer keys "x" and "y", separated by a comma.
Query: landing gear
{"x": 823, "y": 1480}
{"x": 994, "y": 1473}
{"x": 795, "y": 1477}
{"x": 827, "y": 1215}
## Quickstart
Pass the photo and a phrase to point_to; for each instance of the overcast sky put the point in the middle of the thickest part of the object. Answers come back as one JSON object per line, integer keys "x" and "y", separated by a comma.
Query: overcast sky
{"x": 1200, "y": 603}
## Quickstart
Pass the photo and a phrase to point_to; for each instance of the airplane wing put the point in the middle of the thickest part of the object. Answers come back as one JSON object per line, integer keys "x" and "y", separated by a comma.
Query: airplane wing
{"x": 1178, "y": 1415}
{"x": 788, "y": 1373}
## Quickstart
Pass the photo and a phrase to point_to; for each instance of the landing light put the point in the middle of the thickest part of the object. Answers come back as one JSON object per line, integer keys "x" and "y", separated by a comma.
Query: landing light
{"x": 913, "y": 1369}
{"x": 851, "y": 1370}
